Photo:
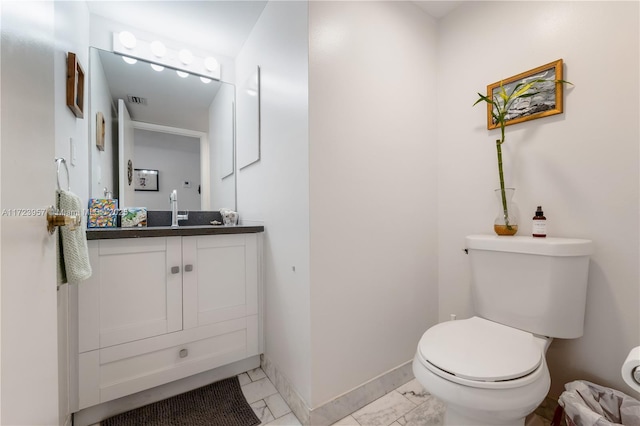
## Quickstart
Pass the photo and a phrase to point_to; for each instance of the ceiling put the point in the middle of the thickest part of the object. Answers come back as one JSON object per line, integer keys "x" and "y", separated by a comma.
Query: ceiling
{"x": 168, "y": 99}
{"x": 218, "y": 26}
{"x": 438, "y": 9}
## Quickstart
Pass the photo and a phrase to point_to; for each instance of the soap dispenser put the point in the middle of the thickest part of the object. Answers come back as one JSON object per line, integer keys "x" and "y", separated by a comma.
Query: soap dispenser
{"x": 539, "y": 224}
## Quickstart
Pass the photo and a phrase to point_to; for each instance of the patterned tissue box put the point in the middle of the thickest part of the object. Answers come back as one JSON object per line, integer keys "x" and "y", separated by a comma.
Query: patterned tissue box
{"x": 103, "y": 213}
{"x": 134, "y": 217}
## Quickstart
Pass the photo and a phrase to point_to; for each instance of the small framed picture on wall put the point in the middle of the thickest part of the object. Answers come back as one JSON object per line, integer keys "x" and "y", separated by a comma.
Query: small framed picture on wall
{"x": 75, "y": 85}
{"x": 145, "y": 180}
{"x": 100, "y": 131}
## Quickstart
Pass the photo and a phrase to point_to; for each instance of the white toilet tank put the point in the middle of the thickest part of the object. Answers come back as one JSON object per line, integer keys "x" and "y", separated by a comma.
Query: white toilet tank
{"x": 533, "y": 284}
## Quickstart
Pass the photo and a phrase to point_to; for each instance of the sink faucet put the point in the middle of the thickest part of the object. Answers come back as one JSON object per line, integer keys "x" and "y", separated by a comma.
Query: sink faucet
{"x": 175, "y": 217}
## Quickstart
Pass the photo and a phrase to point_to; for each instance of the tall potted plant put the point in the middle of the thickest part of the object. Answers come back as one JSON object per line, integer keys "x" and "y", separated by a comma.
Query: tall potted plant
{"x": 501, "y": 103}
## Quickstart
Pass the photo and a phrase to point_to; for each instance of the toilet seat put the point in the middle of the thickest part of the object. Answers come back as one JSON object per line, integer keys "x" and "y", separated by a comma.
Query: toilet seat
{"x": 481, "y": 353}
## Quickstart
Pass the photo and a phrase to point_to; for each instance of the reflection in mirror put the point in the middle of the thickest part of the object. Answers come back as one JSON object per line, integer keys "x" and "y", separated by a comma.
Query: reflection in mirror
{"x": 248, "y": 112}
{"x": 182, "y": 127}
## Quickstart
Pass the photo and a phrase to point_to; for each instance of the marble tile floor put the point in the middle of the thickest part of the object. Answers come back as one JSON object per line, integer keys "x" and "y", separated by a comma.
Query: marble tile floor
{"x": 265, "y": 400}
{"x": 408, "y": 405}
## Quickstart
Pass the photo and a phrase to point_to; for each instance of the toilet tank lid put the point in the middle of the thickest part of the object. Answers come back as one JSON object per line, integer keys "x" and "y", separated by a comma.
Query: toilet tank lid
{"x": 548, "y": 246}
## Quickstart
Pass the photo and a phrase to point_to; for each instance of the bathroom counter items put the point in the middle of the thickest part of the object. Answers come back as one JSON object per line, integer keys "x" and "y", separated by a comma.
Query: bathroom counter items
{"x": 168, "y": 231}
{"x": 158, "y": 224}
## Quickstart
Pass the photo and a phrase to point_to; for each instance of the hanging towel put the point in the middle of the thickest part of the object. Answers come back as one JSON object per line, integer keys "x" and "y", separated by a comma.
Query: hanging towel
{"x": 73, "y": 255}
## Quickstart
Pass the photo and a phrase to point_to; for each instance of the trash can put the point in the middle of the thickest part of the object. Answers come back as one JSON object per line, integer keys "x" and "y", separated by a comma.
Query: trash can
{"x": 587, "y": 404}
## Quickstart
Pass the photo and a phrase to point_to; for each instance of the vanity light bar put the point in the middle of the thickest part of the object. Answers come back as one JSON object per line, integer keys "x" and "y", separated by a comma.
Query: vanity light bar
{"x": 204, "y": 67}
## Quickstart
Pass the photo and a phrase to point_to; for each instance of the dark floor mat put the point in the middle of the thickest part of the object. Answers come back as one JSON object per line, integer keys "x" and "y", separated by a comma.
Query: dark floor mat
{"x": 221, "y": 404}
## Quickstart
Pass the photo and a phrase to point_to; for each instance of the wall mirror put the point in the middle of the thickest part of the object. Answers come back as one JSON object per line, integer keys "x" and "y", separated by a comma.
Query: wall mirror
{"x": 147, "y": 118}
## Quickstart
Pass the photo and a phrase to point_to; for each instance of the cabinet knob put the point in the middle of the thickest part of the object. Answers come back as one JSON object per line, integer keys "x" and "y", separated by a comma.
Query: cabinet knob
{"x": 175, "y": 269}
{"x": 184, "y": 353}
{"x": 188, "y": 268}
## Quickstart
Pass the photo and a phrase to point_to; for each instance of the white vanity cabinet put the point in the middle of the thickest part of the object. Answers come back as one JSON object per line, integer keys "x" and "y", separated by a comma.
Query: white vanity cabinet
{"x": 162, "y": 308}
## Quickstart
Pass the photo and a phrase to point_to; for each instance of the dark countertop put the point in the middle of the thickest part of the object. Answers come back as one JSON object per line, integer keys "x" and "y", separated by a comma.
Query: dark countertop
{"x": 167, "y": 231}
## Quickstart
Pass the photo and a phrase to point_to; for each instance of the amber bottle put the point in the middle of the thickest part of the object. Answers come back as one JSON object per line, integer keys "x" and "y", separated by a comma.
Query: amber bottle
{"x": 539, "y": 223}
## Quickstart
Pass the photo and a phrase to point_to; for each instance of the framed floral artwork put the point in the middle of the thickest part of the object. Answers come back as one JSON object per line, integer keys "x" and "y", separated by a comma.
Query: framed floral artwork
{"x": 545, "y": 98}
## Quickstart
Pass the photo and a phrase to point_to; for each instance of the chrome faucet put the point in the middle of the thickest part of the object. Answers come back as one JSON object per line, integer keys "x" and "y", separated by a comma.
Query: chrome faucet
{"x": 175, "y": 217}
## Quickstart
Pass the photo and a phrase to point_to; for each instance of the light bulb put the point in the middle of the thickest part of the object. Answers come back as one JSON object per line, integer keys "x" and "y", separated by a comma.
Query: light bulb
{"x": 205, "y": 80}
{"x": 127, "y": 39}
{"x": 182, "y": 74}
{"x": 157, "y": 67}
{"x": 158, "y": 49}
{"x": 210, "y": 63}
{"x": 185, "y": 56}
{"x": 129, "y": 60}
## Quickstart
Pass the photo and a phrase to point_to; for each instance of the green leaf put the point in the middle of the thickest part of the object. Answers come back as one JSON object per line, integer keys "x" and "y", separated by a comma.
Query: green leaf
{"x": 515, "y": 88}
{"x": 528, "y": 95}
{"x": 503, "y": 93}
{"x": 483, "y": 98}
{"x": 523, "y": 90}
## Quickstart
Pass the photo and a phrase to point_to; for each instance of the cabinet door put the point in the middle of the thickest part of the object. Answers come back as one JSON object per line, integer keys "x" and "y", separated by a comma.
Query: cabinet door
{"x": 133, "y": 293}
{"x": 220, "y": 281}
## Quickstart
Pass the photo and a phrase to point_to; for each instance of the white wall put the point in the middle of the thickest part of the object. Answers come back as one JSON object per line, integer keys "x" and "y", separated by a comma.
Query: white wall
{"x": 373, "y": 161}
{"x": 581, "y": 166}
{"x": 177, "y": 159}
{"x": 72, "y": 38}
{"x": 275, "y": 190}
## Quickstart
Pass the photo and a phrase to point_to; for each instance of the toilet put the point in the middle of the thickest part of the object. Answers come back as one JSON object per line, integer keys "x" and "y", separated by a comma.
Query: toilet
{"x": 490, "y": 369}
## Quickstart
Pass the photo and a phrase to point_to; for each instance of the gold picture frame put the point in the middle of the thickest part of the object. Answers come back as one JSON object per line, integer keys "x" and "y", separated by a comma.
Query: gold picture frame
{"x": 547, "y": 102}
{"x": 75, "y": 85}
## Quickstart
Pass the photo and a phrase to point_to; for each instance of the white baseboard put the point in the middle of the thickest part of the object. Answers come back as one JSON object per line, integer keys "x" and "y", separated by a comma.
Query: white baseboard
{"x": 288, "y": 393}
{"x": 342, "y": 405}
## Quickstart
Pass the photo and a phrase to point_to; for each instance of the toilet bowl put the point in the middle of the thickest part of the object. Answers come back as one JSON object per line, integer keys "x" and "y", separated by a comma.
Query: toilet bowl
{"x": 486, "y": 373}
{"x": 490, "y": 369}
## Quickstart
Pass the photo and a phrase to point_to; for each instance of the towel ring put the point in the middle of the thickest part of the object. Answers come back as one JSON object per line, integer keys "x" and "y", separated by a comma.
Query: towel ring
{"x": 54, "y": 218}
{"x": 61, "y": 160}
